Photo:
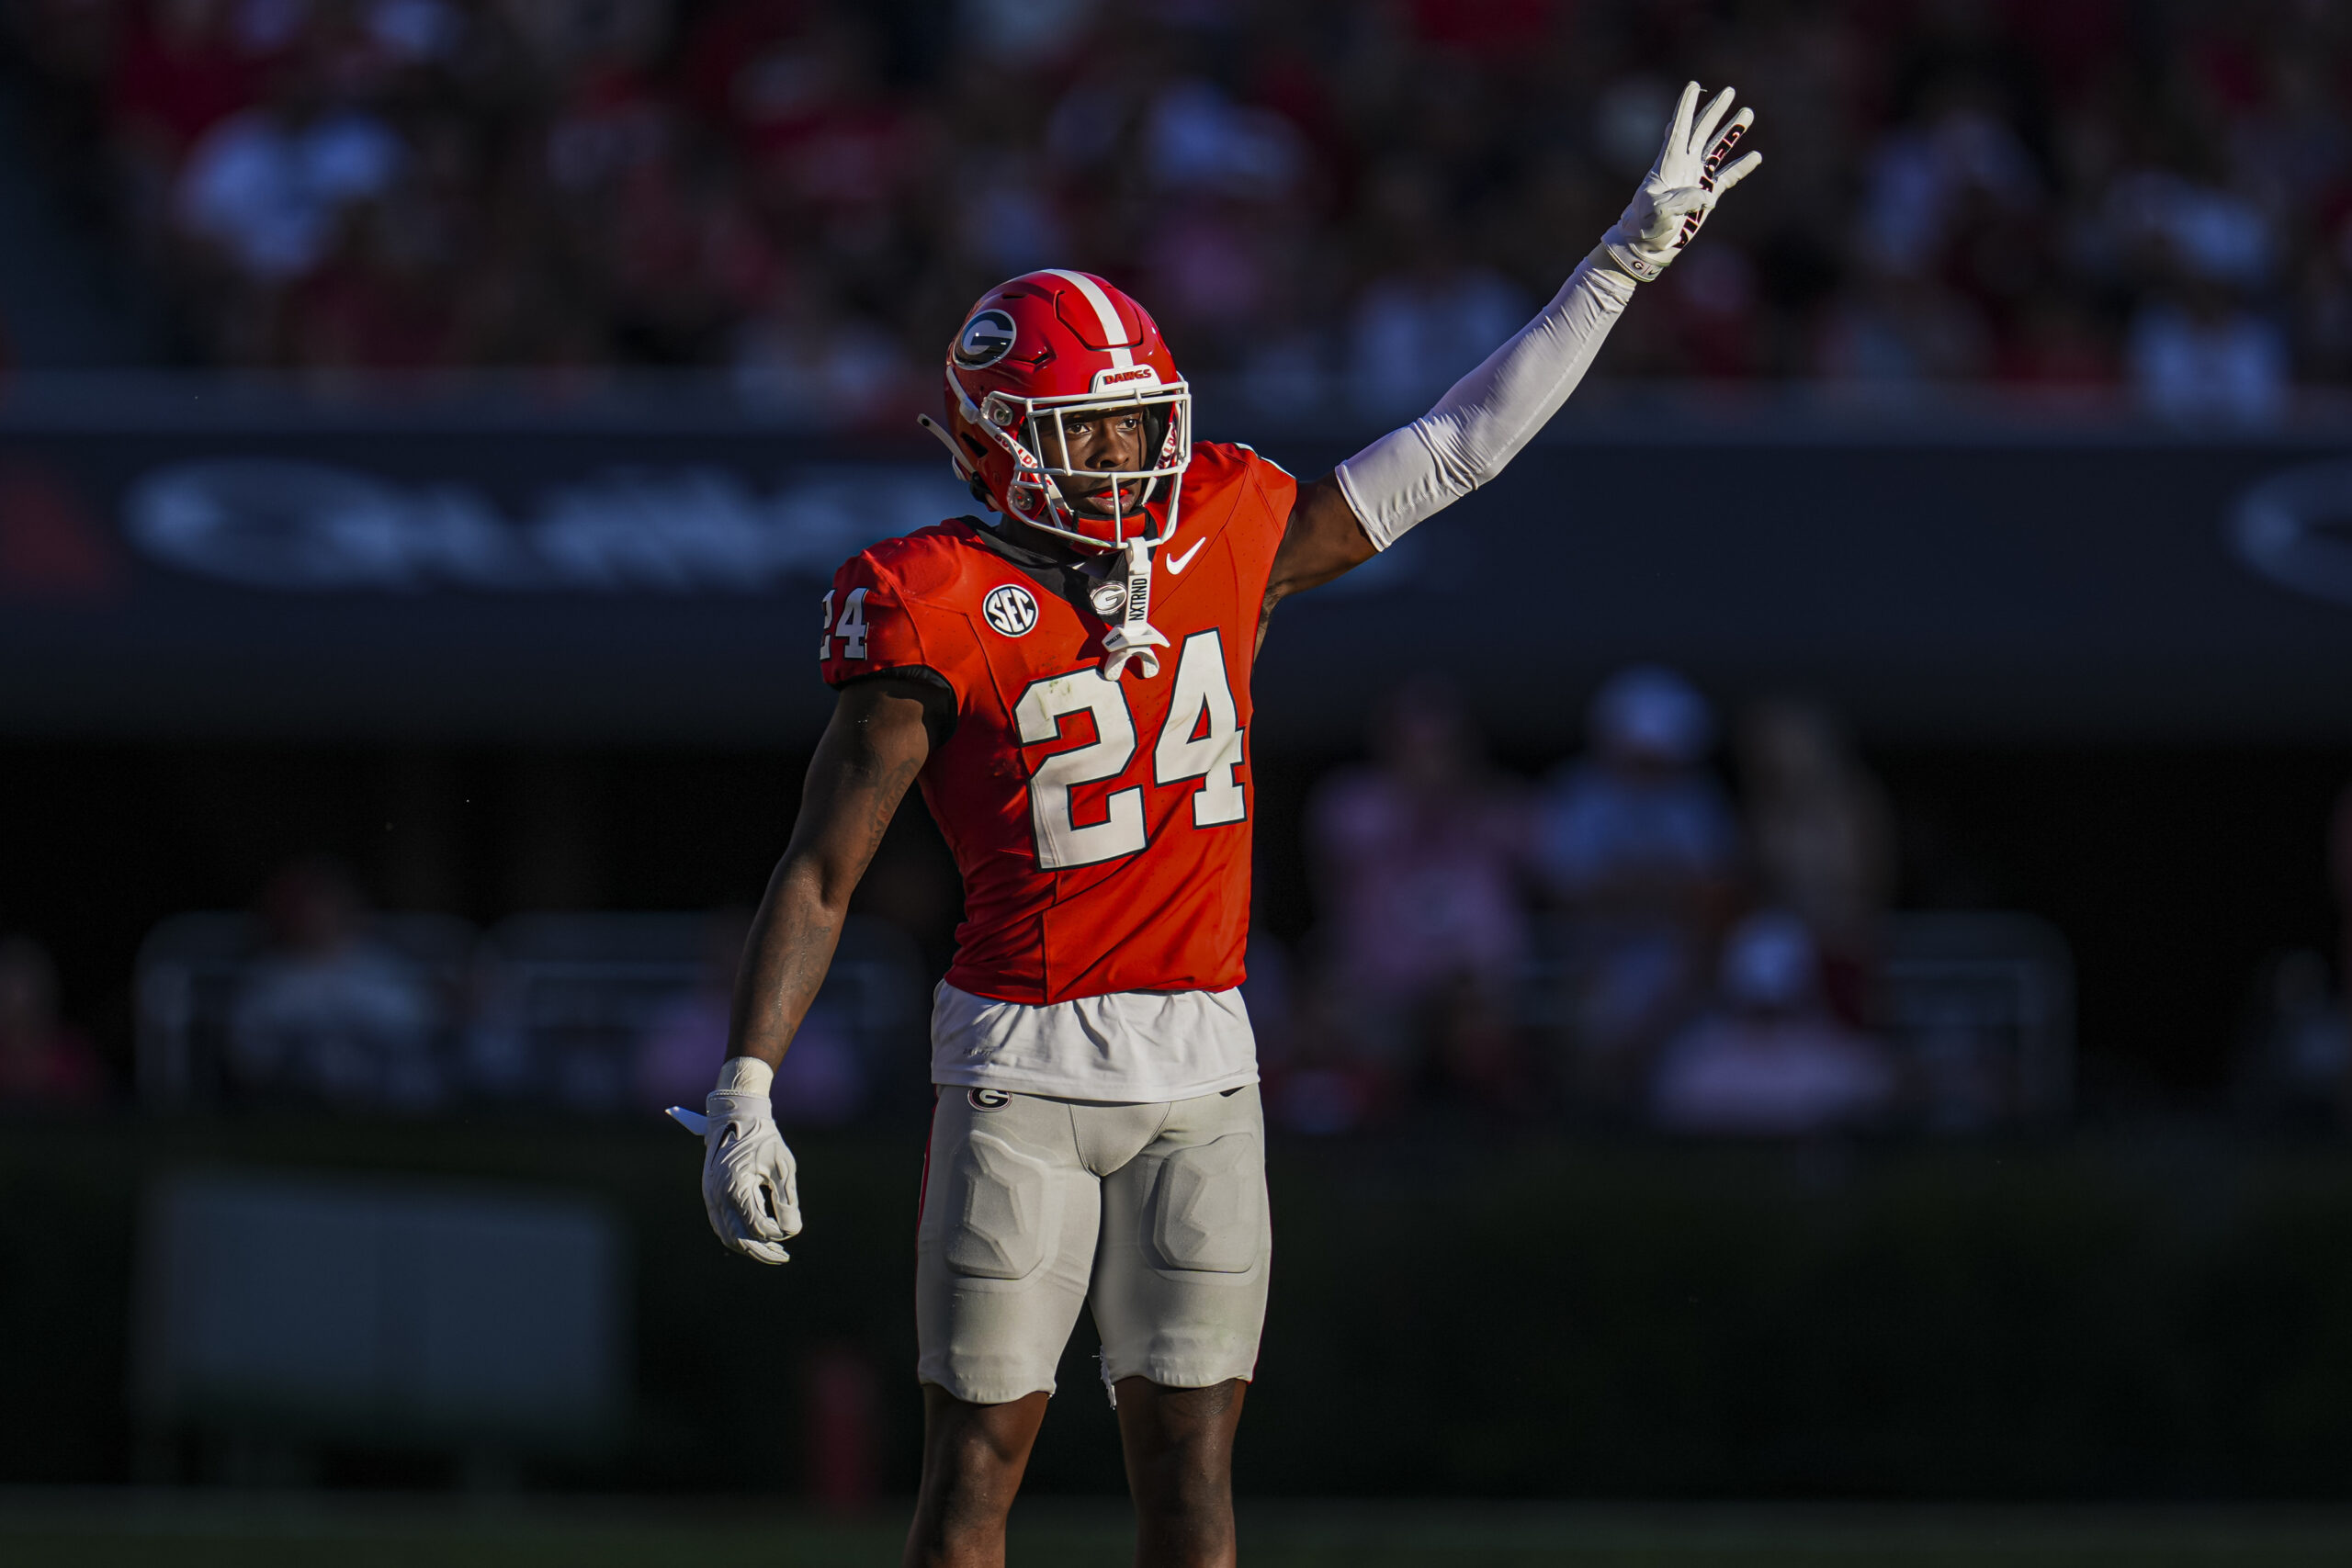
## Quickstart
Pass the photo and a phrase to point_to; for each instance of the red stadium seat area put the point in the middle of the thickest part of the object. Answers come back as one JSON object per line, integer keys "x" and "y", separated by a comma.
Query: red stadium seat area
{"x": 1320, "y": 199}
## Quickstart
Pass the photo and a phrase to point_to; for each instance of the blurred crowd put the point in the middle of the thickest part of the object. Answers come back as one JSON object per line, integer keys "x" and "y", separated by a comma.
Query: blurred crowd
{"x": 44, "y": 1060}
{"x": 1628, "y": 943}
{"x": 1673, "y": 930}
{"x": 1622, "y": 942}
{"x": 2294, "y": 1063}
{"x": 1315, "y": 196}
{"x": 318, "y": 1000}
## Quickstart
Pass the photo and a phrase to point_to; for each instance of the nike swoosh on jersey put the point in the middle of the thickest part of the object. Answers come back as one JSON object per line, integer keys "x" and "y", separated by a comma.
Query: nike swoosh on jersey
{"x": 1178, "y": 563}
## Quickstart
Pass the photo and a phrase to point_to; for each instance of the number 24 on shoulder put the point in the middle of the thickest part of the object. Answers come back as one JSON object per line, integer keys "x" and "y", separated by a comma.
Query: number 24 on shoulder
{"x": 851, "y": 631}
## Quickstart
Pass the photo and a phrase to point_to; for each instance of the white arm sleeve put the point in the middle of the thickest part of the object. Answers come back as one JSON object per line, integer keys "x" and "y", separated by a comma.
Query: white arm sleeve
{"x": 1489, "y": 415}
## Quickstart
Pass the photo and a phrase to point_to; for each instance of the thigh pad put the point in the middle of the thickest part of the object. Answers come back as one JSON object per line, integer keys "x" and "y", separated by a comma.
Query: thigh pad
{"x": 1208, "y": 1206}
{"x": 1002, "y": 1208}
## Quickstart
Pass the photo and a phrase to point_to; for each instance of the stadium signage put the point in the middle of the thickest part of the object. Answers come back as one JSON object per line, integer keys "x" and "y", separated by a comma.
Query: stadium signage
{"x": 2295, "y": 529}
{"x": 301, "y": 527}
{"x": 234, "y": 577}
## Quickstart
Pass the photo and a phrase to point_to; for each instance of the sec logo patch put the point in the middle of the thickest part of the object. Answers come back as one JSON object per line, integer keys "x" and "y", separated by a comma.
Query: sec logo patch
{"x": 1010, "y": 609}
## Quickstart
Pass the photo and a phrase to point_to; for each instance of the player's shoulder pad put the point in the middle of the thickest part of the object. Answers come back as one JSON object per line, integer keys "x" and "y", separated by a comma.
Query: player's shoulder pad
{"x": 924, "y": 563}
{"x": 1261, "y": 457}
{"x": 1218, "y": 461}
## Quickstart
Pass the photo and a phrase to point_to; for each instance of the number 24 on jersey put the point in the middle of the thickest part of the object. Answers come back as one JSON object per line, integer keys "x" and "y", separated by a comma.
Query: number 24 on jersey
{"x": 1200, "y": 740}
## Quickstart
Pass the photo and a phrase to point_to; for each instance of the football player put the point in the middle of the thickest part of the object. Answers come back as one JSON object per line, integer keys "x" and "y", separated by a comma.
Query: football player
{"x": 1068, "y": 681}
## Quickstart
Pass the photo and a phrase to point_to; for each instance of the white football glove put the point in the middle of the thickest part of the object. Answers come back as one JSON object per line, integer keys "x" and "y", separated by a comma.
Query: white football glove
{"x": 1681, "y": 187}
{"x": 750, "y": 1186}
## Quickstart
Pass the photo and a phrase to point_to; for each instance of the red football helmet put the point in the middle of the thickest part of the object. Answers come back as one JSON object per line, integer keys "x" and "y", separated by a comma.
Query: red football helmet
{"x": 1033, "y": 352}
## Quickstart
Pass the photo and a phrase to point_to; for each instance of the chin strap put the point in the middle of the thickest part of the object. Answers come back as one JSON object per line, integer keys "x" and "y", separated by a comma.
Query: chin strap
{"x": 1132, "y": 636}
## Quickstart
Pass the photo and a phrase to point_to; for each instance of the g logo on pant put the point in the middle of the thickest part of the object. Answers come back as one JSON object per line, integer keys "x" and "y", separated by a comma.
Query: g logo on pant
{"x": 987, "y": 1099}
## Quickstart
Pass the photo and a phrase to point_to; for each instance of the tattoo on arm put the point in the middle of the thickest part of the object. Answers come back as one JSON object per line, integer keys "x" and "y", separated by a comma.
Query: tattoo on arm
{"x": 890, "y": 789}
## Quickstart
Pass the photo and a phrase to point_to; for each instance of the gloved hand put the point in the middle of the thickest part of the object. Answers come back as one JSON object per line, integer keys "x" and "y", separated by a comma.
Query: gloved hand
{"x": 1681, "y": 187}
{"x": 750, "y": 1187}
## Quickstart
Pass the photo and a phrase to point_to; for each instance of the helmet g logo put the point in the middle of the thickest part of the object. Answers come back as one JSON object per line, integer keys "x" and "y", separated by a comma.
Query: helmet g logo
{"x": 985, "y": 338}
{"x": 1010, "y": 609}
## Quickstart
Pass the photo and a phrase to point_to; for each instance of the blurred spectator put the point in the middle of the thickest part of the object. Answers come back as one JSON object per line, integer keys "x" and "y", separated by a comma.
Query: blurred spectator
{"x": 685, "y": 1040}
{"x": 1638, "y": 845}
{"x": 823, "y": 1079}
{"x": 1770, "y": 1059}
{"x": 2297, "y": 1064}
{"x": 1895, "y": 328}
{"x": 1415, "y": 334}
{"x": 1433, "y": 315}
{"x": 266, "y": 188}
{"x": 2340, "y": 874}
{"x": 1197, "y": 139}
{"x": 801, "y": 358}
{"x": 2198, "y": 355}
{"x": 1315, "y": 1075}
{"x": 1821, "y": 838}
{"x": 44, "y": 1061}
{"x": 1925, "y": 177}
{"x": 183, "y": 67}
{"x": 328, "y": 1012}
{"x": 1417, "y": 860}
{"x": 1271, "y": 994}
{"x": 2300, "y": 1055}
{"x": 1312, "y": 1083}
{"x": 2196, "y": 350}
{"x": 1014, "y": 32}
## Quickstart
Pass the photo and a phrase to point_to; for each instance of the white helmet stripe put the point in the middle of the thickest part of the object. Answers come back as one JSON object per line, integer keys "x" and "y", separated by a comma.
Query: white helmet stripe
{"x": 1112, "y": 331}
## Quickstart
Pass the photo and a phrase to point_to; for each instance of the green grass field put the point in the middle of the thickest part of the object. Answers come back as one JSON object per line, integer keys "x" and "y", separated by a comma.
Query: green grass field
{"x": 110, "y": 1530}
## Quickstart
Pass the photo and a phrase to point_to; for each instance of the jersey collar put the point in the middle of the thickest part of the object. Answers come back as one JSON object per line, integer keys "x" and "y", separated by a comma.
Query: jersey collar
{"x": 1068, "y": 577}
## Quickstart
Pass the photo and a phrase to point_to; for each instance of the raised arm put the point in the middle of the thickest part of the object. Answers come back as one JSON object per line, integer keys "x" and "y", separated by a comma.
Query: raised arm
{"x": 1367, "y": 503}
{"x": 882, "y": 732}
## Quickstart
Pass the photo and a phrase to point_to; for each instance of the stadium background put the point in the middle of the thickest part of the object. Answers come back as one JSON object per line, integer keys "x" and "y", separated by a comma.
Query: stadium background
{"x": 426, "y": 424}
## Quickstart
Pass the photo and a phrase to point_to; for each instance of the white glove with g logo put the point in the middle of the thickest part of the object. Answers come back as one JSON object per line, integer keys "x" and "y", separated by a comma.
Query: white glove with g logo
{"x": 749, "y": 1185}
{"x": 1682, "y": 186}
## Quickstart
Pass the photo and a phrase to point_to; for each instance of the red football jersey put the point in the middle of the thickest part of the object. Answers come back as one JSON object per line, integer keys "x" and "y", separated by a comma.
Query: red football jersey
{"x": 1102, "y": 829}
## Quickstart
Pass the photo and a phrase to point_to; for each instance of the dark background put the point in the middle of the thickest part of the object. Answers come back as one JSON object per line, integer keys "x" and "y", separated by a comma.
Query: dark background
{"x": 2171, "y": 904}
{"x": 2084, "y": 702}
{"x": 534, "y": 473}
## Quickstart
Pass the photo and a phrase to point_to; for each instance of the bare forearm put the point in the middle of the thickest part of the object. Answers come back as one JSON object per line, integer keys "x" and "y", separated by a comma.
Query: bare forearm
{"x": 868, "y": 759}
{"x": 784, "y": 960}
